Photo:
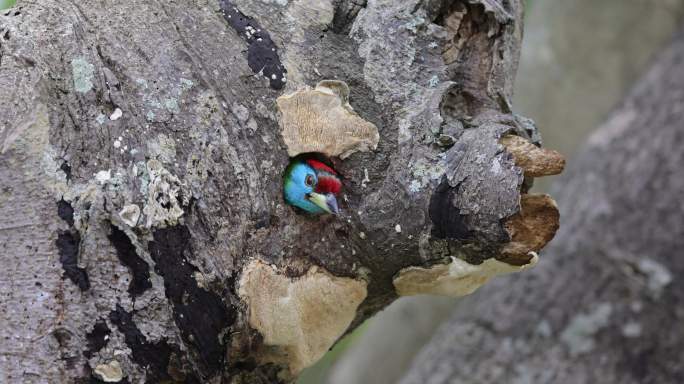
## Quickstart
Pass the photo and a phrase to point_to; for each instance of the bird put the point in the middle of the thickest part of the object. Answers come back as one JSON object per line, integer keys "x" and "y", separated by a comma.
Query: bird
{"x": 312, "y": 186}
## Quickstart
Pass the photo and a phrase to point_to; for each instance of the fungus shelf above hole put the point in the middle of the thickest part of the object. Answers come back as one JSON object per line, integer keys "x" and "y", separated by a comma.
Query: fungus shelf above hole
{"x": 321, "y": 120}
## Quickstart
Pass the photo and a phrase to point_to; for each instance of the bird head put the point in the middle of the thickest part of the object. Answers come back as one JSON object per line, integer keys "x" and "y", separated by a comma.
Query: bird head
{"x": 299, "y": 189}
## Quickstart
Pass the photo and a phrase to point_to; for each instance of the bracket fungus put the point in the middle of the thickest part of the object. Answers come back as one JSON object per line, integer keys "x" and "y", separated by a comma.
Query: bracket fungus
{"x": 535, "y": 161}
{"x": 321, "y": 120}
{"x": 531, "y": 228}
{"x": 537, "y": 221}
{"x": 299, "y": 318}
{"x": 456, "y": 279}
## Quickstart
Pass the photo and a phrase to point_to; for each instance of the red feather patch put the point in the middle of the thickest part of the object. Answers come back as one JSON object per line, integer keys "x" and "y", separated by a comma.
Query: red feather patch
{"x": 318, "y": 166}
{"x": 328, "y": 182}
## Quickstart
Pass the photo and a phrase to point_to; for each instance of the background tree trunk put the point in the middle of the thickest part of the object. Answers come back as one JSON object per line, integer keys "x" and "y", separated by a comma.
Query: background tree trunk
{"x": 144, "y": 235}
{"x": 604, "y": 303}
{"x": 580, "y": 58}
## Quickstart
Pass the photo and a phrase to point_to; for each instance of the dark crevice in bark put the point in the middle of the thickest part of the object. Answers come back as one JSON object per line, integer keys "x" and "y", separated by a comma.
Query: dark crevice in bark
{"x": 106, "y": 93}
{"x": 97, "y": 338}
{"x": 66, "y": 168}
{"x": 242, "y": 364}
{"x": 159, "y": 359}
{"x": 252, "y": 373}
{"x": 458, "y": 106}
{"x": 447, "y": 221}
{"x": 200, "y": 315}
{"x": 125, "y": 251}
{"x": 63, "y": 336}
{"x": 65, "y": 212}
{"x": 345, "y": 13}
{"x": 68, "y": 244}
{"x": 262, "y": 53}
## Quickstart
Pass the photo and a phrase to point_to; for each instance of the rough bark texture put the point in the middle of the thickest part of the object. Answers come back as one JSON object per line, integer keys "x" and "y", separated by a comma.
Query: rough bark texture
{"x": 604, "y": 305}
{"x": 141, "y": 169}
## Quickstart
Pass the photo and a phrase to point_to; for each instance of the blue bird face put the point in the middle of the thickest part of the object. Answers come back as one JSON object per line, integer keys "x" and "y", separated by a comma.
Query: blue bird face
{"x": 298, "y": 190}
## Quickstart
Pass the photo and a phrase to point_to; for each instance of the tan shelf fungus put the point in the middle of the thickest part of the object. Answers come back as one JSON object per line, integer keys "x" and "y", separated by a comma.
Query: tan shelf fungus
{"x": 321, "y": 120}
{"x": 299, "y": 318}
{"x": 455, "y": 279}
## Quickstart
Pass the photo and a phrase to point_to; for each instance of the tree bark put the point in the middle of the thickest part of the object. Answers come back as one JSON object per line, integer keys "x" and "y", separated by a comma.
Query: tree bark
{"x": 144, "y": 234}
{"x": 604, "y": 304}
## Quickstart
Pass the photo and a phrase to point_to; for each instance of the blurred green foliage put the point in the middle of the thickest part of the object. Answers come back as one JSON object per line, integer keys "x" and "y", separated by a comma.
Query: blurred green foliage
{"x": 7, "y": 3}
{"x": 318, "y": 373}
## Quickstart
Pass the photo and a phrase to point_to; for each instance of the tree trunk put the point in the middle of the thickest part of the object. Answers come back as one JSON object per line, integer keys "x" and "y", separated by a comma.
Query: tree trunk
{"x": 580, "y": 57}
{"x": 144, "y": 235}
{"x": 604, "y": 304}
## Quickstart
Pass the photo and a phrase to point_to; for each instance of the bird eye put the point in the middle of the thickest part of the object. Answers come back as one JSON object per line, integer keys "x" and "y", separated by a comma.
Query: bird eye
{"x": 309, "y": 180}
